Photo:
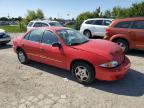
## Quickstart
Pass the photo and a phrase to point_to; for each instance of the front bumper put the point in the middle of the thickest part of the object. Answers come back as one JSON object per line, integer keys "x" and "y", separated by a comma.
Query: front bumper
{"x": 113, "y": 74}
{"x": 5, "y": 40}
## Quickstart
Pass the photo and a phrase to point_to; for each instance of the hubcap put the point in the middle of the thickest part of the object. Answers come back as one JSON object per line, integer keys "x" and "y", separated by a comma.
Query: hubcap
{"x": 87, "y": 34}
{"x": 122, "y": 45}
{"x": 21, "y": 56}
{"x": 81, "y": 73}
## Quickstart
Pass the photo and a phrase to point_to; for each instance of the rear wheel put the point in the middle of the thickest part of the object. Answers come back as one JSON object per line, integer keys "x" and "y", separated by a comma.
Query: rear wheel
{"x": 87, "y": 33}
{"x": 83, "y": 73}
{"x": 123, "y": 44}
{"x": 22, "y": 56}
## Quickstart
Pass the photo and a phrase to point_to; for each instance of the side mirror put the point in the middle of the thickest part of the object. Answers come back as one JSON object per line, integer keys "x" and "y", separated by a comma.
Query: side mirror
{"x": 57, "y": 44}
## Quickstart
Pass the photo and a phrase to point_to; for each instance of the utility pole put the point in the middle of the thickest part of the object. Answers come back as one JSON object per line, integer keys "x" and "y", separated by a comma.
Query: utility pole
{"x": 8, "y": 16}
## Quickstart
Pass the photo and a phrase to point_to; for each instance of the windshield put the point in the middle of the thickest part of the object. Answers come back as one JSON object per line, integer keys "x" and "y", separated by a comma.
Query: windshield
{"x": 55, "y": 24}
{"x": 30, "y": 24}
{"x": 72, "y": 37}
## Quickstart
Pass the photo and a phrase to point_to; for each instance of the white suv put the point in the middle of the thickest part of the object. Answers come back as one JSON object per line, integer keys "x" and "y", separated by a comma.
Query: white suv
{"x": 44, "y": 23}
{"x": 95, "y": 27}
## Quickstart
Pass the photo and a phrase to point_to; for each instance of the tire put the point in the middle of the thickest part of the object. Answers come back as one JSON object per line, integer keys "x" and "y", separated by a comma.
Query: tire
{"x": 87, "y": 33}
{"x": 22, "y": 57}
{"x": 123, "y": 44}
{"x": 82, "y": 76}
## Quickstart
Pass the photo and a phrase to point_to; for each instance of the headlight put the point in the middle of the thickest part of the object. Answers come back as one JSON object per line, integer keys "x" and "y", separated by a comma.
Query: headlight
{"x": 111, "y": 64}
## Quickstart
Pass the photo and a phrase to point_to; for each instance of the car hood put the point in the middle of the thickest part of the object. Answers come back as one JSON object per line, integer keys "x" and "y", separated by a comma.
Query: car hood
{"x": 102, "y": 47}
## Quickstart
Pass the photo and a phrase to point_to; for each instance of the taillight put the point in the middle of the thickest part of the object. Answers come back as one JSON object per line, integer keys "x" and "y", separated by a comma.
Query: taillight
{"x": 107, "y": 31}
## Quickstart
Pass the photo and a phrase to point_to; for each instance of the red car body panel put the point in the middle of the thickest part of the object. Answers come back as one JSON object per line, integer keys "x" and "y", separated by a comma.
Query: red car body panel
{"x": 95, "y": 52}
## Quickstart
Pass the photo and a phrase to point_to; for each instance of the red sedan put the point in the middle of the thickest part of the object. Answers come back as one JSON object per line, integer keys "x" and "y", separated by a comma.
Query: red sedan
{"x": 68, "y": 49}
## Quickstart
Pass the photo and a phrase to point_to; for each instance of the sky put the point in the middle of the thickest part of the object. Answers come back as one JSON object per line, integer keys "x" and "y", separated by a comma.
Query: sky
{"x": 59, "y": 8}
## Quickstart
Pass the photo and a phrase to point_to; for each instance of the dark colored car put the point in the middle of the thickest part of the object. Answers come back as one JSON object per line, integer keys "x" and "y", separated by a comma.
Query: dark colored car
{"x": 128, "y": 33}
{"x": 4, "y": 37}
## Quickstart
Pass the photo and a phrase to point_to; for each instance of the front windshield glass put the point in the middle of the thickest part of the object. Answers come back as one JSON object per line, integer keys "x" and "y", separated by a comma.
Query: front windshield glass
{"x": 55, "y": 24}
{"x": 72, "y": 37}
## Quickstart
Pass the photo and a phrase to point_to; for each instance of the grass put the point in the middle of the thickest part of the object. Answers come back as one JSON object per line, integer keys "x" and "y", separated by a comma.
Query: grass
{"x": 12, "y": 29}
{"x": 16, "y": 29}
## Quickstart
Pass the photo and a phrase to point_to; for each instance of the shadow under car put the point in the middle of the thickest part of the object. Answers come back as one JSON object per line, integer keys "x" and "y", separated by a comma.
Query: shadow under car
{"x": 131, "y": 85}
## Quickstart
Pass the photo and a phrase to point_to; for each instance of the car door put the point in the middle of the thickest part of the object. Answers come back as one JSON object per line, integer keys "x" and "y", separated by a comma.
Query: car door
{"x": 52, "y": 55}
{"x": 99, "y": 28}
{"x": 31, "y": 44}
{"x": 137, "y": 32}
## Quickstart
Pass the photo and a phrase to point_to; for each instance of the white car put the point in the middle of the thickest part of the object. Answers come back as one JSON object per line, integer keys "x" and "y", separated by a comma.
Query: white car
{"x": 43, "y": 23}
{"x": 95, "y": 27}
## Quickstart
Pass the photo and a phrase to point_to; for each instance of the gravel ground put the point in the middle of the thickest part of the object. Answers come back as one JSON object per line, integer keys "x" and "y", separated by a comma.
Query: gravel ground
{"x": 40, "y": 86}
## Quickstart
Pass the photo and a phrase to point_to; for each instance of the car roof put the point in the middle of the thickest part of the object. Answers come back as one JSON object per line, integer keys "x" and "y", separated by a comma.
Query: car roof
{"x": 99, "y": 19}
{"x": 125, "y": 19}
{"x": 46, "y": 21}
{"x": 53, "y": 28}
{"x": 130, "y": 19}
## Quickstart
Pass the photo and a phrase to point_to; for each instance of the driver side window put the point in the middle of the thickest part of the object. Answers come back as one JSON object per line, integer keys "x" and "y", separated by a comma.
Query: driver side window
{"x": 49, "y": 38}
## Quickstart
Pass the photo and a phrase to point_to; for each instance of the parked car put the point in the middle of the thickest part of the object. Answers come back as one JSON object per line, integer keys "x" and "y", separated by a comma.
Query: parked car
{"x": 95, "y": 27}
{"x": 42, "y": 23}
{"x": 4, "y": 37}
{"x": 128, "y": 33}
{"x": 69, "y": 49}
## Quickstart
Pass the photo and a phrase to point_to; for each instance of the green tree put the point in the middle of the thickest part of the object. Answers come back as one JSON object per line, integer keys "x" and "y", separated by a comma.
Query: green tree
{"x": 107, "y": 14}
{"x": 97, "y": 13}
{"x": 4, "y": 19}
{"x": 32, "y": 15}
{"x": 137, "y": 10}
{"x": 39, "y": 14}
{"x": 83, "y": 16}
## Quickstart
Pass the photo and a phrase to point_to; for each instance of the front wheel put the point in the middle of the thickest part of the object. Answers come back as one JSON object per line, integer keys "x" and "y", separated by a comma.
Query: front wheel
{"x": 87, "y": 33}
{"x": 83, "y": 73}
{"x": 123, "y": 44}
{"x": 22, "y": 57}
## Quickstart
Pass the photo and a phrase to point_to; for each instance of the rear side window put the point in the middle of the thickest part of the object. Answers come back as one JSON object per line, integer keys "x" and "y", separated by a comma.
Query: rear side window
{"x": 34, "y": 35}
{"x": 125, "y": 24}
{"x": 98, "y": 22}
{"x": 44, "y": 25}
{"x": 30, "y": 24}
{"x": 89, "y": 22}
{"x": 38, "y": 24}
{"x": 55, "y": 24}
{"x": 49, "y": 38}
{"x": 138, "y": 25}
{"x": 107, "y": 22}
